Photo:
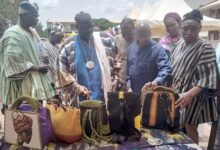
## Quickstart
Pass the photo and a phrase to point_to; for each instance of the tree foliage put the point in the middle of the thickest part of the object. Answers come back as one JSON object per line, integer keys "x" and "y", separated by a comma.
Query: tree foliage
{"x": 41, "y": 31}
{"x": 9, "y": 9}
{"x": 103, "y": 24}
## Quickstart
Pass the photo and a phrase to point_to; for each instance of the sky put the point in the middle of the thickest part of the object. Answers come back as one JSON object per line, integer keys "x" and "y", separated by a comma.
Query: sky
{"x": 110, "y": 9}
{"x": 67, "y": 9}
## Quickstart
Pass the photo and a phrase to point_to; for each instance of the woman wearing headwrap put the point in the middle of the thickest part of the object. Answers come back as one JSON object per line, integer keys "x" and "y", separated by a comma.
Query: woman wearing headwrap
{"x": 172, "y": 23}
{"x": 194, "y": 74}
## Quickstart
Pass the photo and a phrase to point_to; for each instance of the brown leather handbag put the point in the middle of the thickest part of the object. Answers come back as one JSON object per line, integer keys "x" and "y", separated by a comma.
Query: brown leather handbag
{"x": 158, "y": 108}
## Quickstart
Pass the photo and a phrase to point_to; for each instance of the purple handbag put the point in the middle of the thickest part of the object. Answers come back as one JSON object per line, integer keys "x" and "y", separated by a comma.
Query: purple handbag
{"x": 46, "y": 128}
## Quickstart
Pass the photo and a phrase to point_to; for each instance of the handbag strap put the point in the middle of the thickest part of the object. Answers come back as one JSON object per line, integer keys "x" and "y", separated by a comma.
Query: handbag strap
{"x": 86, "y": 138}
{"x": 31, "y": 101}
{"x": 94, "y": 132}
{"x": 159, "y": 88}
{"x": 95, "y": 137}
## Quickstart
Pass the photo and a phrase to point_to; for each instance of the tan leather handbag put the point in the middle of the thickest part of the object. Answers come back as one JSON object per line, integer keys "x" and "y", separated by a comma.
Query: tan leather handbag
{"x": 62, "y": 79}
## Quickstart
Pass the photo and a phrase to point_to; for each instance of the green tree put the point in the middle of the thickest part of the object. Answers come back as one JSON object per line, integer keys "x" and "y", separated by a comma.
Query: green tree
{"x": 103, "y": 23}
{"x": 9, "y": 9}
{"x": 41, "y": 31}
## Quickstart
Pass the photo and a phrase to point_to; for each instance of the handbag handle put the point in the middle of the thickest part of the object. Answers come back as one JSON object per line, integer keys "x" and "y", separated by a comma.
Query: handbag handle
{"x": 159, "y": 88}
{"x": 31, "y": 101}
{"x": 55, "y": 102}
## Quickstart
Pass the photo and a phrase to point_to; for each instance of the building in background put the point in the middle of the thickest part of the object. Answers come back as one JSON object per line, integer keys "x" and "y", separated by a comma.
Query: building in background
{"x": 195, "y": 4}
{"x": 212, "y": 9}
{"x": 69, "y": 25}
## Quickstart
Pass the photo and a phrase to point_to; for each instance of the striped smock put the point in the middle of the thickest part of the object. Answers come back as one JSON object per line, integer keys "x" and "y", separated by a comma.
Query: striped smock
{"x": 195, "y": 65}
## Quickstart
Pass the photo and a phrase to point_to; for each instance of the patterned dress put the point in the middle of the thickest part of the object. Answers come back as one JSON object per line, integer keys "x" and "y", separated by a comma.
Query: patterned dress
{"x": 195, "y": 65}
{"x": 52, "y": 52}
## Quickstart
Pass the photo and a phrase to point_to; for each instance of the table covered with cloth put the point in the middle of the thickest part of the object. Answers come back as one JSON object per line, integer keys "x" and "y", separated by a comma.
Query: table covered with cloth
{"x": 152, "y": 139}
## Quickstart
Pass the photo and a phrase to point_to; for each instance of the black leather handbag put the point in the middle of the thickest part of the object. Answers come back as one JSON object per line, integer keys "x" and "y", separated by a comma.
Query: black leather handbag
{"x": 123, "y": 108}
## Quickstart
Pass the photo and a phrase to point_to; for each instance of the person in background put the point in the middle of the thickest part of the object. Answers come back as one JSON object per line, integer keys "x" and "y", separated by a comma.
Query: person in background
{"x": 172, "y": 22}
{"x": 86, "y": 59}
{"x": 21, "y": 70}
{"x": 148, "y": 64}
{"x": 194, "y": 73}
{"x": 122, "y": 41}
{"x": 56, "y": 34}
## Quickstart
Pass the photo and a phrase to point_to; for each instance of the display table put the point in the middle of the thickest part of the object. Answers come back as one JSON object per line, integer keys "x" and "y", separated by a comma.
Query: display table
{"x": 151, "y": 139}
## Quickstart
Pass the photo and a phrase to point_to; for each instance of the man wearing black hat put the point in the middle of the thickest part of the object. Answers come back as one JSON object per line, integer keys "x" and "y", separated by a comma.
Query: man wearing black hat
{"x": 21, "y": 70}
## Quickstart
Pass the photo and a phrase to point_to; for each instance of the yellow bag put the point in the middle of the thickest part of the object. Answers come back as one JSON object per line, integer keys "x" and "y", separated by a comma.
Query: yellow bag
{"x": 66, "y": 122}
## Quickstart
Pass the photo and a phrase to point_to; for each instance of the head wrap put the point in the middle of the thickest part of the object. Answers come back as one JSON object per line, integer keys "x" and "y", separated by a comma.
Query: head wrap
{"x": 172, "y": 15}
{"x": 56, "y": 27}
{"x": 27, "y": 7}
{"x": 194, "y": 15}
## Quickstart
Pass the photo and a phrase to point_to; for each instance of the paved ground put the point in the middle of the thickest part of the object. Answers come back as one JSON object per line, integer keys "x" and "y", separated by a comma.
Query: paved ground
{"x": 204, "y": 131}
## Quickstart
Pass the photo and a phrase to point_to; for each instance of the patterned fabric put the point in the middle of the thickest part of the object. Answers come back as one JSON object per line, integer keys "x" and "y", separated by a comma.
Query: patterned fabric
{"x": 88, "y": 78}
{"x": 27, "y": 7}
{"x": 195, "y": 65}
{"x": 122, "y": 47}
{"x": 52, "y": 52}
{"x": 18, "y": 53}
{"x": 169, "y": 43}
{"x": 150, "y": 139}
{"x": 67, "y": 56}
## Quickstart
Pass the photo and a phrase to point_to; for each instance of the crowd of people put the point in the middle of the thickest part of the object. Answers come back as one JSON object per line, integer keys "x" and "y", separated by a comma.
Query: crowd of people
{"x": 99, "y": 63}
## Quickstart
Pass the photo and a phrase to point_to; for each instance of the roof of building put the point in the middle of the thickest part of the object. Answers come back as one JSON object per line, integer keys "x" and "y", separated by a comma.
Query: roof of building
{"x": 61, "y": 20}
